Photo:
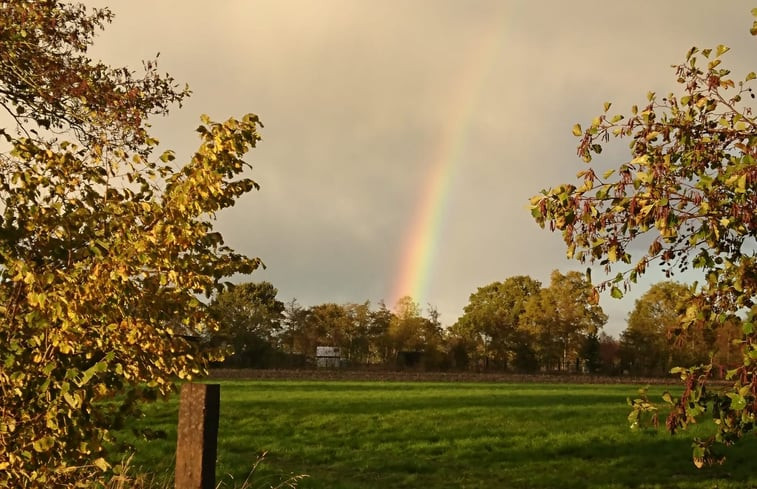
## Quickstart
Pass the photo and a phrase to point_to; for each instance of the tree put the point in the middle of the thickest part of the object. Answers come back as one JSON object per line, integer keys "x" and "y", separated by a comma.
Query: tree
{"x": 325, "y": 325}
{"x": 609, "y": 354}
{"x": 590, "y": 353}
{"x": 432, "y": 341}
{"x": 413, "y": 339}
{"x": 357, "y": 332}
{"x": 378, "y": 332}
{"x": 650, "y": 345}
{"x": 104, "y": 248}
{"x": 689, "y": 193}
{"x": 560, "y": 317}
{"x": 293, "y": 325}
{"x": 490, "y": 320}
{"x": 250, "y": 318}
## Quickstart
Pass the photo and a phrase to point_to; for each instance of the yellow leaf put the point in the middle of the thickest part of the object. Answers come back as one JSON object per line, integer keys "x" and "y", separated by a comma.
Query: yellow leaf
{"x": 101, "y": 464}
{"x": 612, "y": 254}
{"x": 43, "y": 444}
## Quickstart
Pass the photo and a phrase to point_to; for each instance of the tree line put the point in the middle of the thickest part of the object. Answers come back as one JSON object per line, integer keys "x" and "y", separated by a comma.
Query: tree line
{"x": 516, "y": 325}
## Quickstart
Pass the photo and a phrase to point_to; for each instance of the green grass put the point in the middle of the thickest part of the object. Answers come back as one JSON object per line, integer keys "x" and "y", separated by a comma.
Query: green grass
{"x": 446, "y": 435}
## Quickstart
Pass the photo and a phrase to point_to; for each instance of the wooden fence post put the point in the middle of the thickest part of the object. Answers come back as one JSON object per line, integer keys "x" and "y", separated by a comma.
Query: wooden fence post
{"x": 197, "y": 436}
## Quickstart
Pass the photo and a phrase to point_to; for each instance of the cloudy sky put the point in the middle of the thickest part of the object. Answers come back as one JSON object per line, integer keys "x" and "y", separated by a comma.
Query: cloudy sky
{"x": 403, "y": 138}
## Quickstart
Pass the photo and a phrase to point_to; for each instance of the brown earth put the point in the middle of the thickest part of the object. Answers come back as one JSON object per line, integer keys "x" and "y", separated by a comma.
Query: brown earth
{"x": 417, "y": 376}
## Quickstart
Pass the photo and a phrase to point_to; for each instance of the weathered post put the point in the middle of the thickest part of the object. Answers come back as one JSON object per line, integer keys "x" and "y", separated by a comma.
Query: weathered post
{"x": 197, "y": 439}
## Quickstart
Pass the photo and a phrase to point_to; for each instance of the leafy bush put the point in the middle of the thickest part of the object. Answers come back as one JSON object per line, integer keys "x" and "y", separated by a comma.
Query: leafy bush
{"x": 104, "y": 247}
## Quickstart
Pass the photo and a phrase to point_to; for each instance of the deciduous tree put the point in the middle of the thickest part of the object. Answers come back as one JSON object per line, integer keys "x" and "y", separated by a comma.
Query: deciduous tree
{"x": 560, "y": 317}
{"x": 378, "y": 331}
{"x": 490, "y": 321}
{"x": 688, "y": 196}
{"x": 411, "y": 334}
{"x": 358, "y": 341}
{"x": 650, "y": 343}
{"x": 250, "y": 318}
{"x": 104, "y": 247}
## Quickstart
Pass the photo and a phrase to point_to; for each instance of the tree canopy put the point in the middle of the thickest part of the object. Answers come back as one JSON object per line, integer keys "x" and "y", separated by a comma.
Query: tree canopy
{"x": 249, "y": 318}
{"x": 490, "y": 322}
{"x": 650, "y": 344}
{"x": 688, "y": 196}
{"x": 105, "y": 248}
{"x": 560, "y": 318}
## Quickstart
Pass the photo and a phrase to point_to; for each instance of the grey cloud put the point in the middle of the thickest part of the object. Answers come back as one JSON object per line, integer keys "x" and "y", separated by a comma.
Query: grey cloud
{"x": 355, "y": 95}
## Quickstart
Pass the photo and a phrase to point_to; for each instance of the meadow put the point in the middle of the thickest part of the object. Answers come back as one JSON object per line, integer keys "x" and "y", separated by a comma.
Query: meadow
{"x": 350, "y": 435}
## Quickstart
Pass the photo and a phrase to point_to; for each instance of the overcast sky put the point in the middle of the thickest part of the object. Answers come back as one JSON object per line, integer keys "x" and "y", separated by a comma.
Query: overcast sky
{"x": 365, "y": 103}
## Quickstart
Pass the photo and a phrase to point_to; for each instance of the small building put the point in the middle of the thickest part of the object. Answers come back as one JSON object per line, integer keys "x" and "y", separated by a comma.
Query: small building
{"x": 328, "y": 356}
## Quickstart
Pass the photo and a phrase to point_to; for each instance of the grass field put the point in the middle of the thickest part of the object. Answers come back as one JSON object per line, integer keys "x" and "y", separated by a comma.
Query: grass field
{"x": 445, "y": 435}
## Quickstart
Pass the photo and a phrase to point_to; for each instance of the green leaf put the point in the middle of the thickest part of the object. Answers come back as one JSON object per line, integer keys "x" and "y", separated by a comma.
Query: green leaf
{"x": 44, "y": 444}
{"x": 577, "y": 130}
{"x": 737, "y": 402}
{"x": 731, "y": 374}
{"x": 616, "y": 293}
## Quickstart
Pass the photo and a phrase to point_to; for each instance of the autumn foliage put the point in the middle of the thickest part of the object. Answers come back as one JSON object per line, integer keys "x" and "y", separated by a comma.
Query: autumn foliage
{"x": 688, "y": 197}
{"x": 105, "y": 247}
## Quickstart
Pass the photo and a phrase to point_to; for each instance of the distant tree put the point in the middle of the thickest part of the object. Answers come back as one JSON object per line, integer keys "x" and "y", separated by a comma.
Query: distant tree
{"x": 646, "y": 344}
{"x": 405, "y": 328}
{"x": 728, "y": 345}
{"x": 378, "y": 333}
{"x": 458, "y": 352}
{"x": 293, "y": 326}
{"x": 326, "y": 324}
{"x": 105, "y": 248}
{"x": 413, "y": 339}
{"x": 250, "y": 318}
{"x": 652, "y": 343}
{"x": 589, "y": 354}
{"x": 489, "y": 324}
{"x": 689, "y": 193}
{"x": 559, "y": 318}
{"x": 609, "y": 355}
{"x": 433, "y": 338}
{"x": 357, "y": 332}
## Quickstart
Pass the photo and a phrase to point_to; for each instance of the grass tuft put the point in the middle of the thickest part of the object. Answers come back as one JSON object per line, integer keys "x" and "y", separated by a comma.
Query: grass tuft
{"x": 129, "y": 477}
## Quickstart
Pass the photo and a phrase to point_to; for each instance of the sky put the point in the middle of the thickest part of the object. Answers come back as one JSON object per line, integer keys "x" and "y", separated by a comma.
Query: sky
{"x": 404, "y": 138}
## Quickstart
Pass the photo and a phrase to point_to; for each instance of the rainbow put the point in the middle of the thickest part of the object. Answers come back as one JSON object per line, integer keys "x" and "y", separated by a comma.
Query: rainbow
{"x": 420, "y": 246}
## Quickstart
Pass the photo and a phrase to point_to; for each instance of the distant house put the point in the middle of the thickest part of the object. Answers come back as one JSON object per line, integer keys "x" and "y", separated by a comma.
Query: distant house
{"x": 328, "y": 356}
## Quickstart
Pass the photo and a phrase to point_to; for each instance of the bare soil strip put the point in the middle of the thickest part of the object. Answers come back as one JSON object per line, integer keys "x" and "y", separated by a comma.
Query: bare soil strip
{"x": 415, "y": 376}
